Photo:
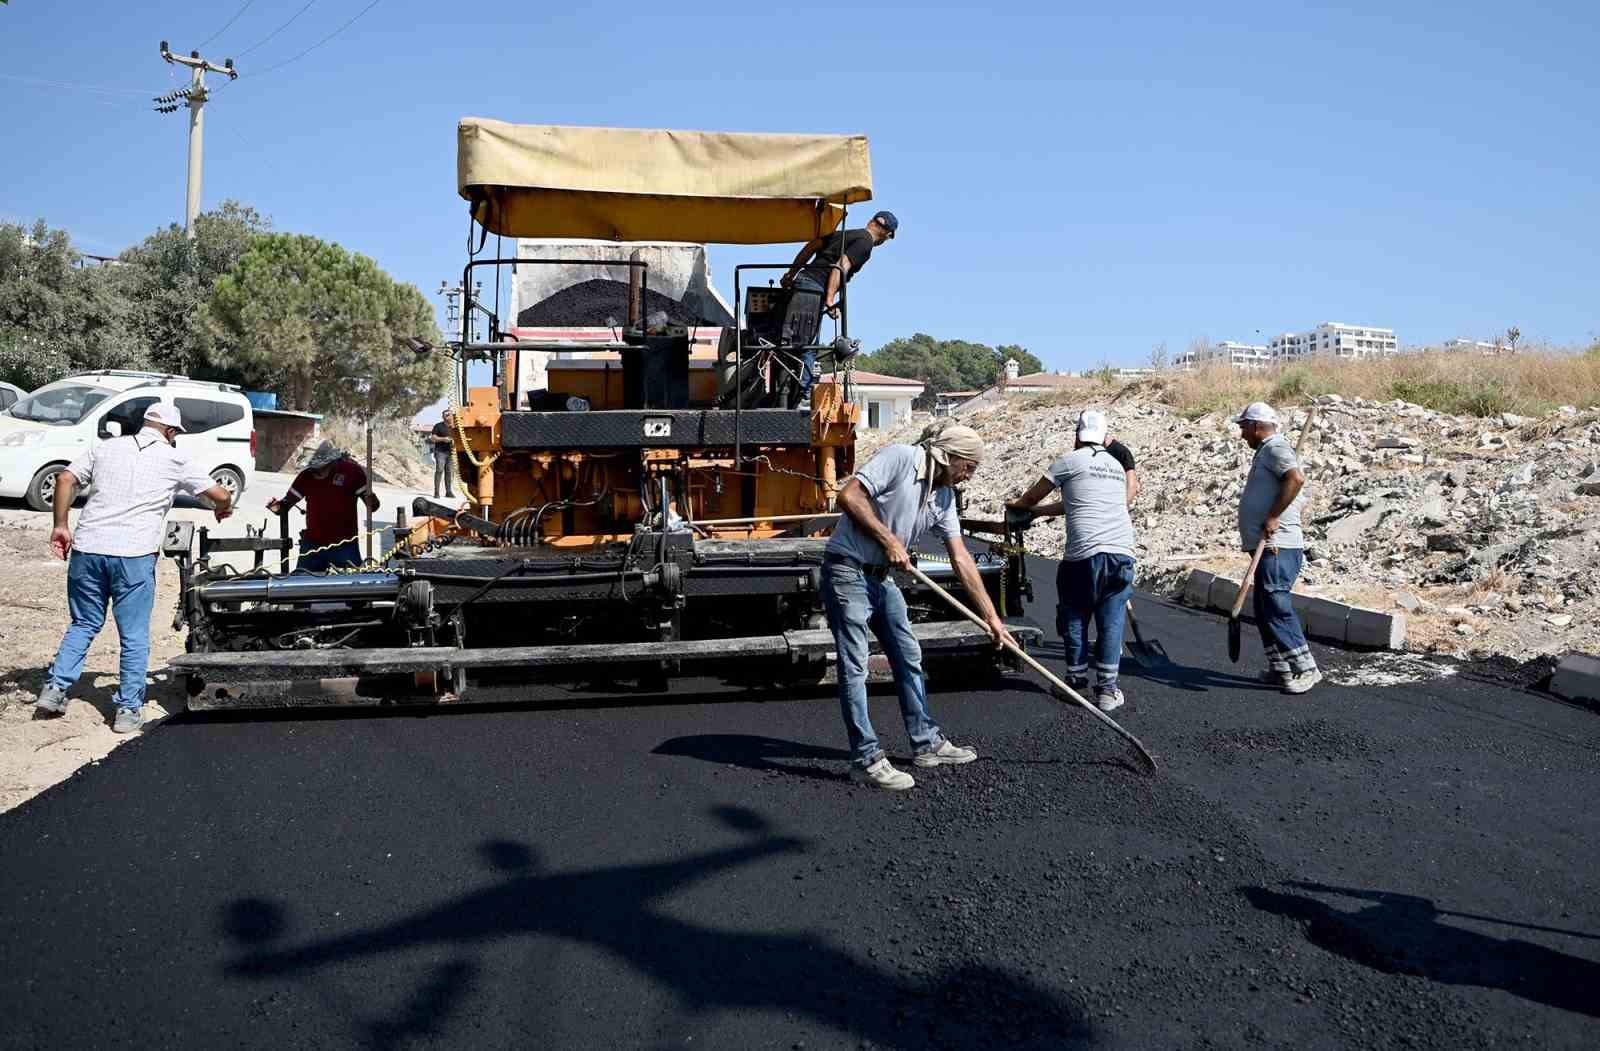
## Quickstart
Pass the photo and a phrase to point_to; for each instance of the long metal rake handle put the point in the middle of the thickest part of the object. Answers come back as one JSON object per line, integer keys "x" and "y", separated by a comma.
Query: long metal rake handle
{"x": 956, "y": 604}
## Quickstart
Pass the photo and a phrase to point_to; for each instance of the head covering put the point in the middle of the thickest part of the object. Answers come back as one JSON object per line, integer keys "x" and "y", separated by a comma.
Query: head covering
{"x": 945, "y": 438}
{"x": 1257, "y": 412}
{"x": 887, "y": 221}
{"x": 165, "y": 414}
{"x": 326, "y": 454}
{"x": 1092, "y": 425}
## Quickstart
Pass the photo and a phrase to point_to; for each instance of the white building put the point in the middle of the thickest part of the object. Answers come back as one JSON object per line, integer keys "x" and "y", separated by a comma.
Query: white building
{"x": 1236, "y": 355}
{"x": 1333, "y": 339}
{"x": 1476, "y": 346}
{"x": 885, "y": 401}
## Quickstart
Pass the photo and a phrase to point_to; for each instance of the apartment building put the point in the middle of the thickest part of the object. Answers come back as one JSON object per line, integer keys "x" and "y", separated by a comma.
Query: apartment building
{"x": 1333, "y": 339}
{"x": 1237, "y": 355}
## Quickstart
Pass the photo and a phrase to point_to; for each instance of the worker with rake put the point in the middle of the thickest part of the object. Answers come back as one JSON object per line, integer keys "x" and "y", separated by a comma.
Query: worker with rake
{"x": 902, "y": 493}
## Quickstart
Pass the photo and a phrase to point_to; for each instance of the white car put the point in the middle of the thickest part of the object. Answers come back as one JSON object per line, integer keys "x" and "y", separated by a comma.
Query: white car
{"x": 48, "y": 429}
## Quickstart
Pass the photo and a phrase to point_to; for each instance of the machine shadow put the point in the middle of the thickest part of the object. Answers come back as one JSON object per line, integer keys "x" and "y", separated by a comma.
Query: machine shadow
{"x": 1403, "y": 934}
{"x": 625, "y": 911}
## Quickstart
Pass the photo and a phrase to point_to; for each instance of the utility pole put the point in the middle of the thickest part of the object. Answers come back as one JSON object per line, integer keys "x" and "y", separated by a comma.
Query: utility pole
{"x": 195, "y": 93}
{"x": 453, "y": 297}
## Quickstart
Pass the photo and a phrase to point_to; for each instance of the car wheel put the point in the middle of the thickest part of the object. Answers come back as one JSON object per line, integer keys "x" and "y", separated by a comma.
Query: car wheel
{"x": 41, "y": 494}
{"x": 230, "y": 480}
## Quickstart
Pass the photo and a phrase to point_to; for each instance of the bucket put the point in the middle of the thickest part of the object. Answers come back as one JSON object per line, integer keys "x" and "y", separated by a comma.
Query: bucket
{"x": 261, "y": 400}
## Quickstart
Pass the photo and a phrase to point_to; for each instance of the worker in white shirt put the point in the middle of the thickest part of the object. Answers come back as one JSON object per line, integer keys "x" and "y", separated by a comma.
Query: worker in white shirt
{"x": 112, "y": 555}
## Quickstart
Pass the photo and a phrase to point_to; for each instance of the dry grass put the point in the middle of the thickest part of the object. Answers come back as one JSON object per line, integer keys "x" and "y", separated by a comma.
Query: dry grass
{"x": 1461, "y": 384}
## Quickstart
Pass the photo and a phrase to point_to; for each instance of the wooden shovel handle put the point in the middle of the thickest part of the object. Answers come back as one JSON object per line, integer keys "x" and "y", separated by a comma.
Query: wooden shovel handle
{"x": 1250, "y": 575}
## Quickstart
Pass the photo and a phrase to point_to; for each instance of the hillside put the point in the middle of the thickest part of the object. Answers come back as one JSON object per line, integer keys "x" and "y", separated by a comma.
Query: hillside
{"x": 1486, "y": 530}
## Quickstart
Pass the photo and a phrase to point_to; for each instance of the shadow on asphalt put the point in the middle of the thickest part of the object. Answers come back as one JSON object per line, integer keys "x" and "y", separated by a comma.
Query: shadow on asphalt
{"x": 1403, "y": 934}
{"x": 758, "y": 753}
{"x": 620, "y": 910}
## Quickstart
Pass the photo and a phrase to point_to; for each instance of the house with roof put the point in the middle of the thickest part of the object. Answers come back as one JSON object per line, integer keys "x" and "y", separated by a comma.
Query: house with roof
{"x": 885, "y": 401}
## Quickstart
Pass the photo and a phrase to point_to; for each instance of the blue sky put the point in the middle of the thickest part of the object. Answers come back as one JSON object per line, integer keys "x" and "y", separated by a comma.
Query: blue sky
{"x": 1087, "y": 180}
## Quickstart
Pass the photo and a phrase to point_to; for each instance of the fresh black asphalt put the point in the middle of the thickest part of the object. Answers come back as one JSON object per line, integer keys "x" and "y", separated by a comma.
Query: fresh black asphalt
{"x": 1402, "y": 866}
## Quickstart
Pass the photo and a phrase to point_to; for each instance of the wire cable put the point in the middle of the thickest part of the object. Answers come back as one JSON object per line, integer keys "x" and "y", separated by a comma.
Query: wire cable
{"x": 318, "y": 44}
{"x": 275, "y": 32}
{"x": 72, "y": 84}
{"x": 224, "y": 29}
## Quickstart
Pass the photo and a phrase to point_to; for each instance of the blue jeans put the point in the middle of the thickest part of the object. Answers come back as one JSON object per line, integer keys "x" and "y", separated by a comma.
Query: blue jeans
{"x": 129, "y": 585}
{"x": 1095, "y": 588}
{"x": 346, "y": 556}
{"x": 808, "y": 358}
{"x": 1281, "y": 634}
{"x": 854, "y": 603}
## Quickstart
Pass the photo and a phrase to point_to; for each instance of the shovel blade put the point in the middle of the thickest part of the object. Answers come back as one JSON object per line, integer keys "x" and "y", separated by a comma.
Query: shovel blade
{"x": 1148, "y": 654}
{"x": 1234, "y": 633}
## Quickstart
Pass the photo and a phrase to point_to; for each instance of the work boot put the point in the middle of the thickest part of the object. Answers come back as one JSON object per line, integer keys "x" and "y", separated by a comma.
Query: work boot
{"x": 52, "y": 700}
{"x": 128, "y": 720}
{"x": 882, "y": 775}
{"x": 1108, "y": 700}
{"x": 1272, "y": 678}
{"x": 1302, "y": 682}
{"x": 947, "y": 754}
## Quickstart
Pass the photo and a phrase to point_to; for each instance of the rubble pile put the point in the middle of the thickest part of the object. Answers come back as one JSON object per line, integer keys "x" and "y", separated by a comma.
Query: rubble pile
{"x": 1486, "y": 531}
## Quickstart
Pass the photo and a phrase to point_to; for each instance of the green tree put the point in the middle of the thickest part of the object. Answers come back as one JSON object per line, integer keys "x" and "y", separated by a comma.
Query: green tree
{"x": 946, "y": 364}
{"x": 312, "y": 320}
{"x": 169, "y": 276}
{"x": 57, "y": 316}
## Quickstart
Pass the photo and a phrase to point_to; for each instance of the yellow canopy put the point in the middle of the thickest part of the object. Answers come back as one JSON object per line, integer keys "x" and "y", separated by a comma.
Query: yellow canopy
{"x": 540, "y": 180}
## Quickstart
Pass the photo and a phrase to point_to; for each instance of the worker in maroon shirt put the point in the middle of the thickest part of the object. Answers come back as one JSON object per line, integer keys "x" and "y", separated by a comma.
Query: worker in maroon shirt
{"x": 330, "y": 485}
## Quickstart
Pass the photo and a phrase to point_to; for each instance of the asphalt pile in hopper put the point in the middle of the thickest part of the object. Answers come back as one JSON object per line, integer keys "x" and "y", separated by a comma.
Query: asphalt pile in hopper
{"x": 601, "y": 302}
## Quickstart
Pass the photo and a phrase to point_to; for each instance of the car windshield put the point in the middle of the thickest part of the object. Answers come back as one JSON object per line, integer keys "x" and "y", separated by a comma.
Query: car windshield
{"x": 63, "y": 405}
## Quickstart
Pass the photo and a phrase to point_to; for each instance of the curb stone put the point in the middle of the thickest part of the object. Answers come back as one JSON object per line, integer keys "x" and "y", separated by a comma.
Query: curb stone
{"x": 1323, "y": 619}
{"x": 1577, "y": 678}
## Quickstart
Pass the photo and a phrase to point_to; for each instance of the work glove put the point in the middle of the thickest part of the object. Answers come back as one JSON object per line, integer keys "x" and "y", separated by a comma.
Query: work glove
{"x": 1020, "y": 517}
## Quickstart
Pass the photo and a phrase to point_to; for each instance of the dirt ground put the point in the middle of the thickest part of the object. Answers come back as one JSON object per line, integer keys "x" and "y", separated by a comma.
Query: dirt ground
{"x": 38, "y": 753}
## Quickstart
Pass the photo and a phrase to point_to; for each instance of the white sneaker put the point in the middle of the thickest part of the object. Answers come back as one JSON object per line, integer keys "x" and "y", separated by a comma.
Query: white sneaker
{"x": 1272, "y": 678}
{"x": 882, "y": 775}
{"x": 1108, "y": 701}
{"x": 946, "y": 754}
{"x": 1302, "y": 682}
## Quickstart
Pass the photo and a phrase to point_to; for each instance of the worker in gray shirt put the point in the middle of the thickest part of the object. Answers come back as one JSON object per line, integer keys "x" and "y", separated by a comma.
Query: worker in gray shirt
{"x": 1095, "y": 578}
{"x": 1270, "y": 508}
{"x": 901, "y": 494}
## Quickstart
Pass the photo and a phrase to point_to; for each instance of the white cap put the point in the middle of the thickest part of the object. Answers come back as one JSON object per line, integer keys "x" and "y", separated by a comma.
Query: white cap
{"x": 164, "y": 413}
{"x": 1092, "y": 427}
{"x": 1257, "y": 412}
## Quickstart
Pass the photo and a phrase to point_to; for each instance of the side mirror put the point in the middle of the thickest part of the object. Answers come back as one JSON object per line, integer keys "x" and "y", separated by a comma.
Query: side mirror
{"x": 110, "y": 428}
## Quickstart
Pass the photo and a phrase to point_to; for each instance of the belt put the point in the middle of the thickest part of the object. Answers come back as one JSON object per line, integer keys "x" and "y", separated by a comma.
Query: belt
{"x": 872, "y": 572}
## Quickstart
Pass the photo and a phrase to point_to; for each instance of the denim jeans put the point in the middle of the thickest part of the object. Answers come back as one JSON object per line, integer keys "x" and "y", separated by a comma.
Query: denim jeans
{"x": 129, "y": 585}
{"x": 808, "y": 358}
{"x": 443, "y": 462}
{"x": 854, "y": 603}
{"x": 346, "y": 556}
{"x": 1281, "y": 634}
{"x": 1095, "y": 588}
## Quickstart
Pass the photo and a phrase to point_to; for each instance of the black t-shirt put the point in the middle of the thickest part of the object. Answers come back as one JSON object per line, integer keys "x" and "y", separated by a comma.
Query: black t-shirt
{"x": 1123, "y": 454}
{"x": 441, "y": 435}
{"x": 856, "y": 244}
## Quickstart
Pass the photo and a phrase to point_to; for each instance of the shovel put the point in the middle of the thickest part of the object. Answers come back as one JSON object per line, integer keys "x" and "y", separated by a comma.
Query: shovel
{"x": 1066, "y": 691}
{"x": 1145, "y": 653}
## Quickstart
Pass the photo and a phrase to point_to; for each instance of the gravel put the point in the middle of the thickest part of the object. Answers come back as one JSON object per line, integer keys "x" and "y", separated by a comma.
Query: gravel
{"x": 601, "y": 302}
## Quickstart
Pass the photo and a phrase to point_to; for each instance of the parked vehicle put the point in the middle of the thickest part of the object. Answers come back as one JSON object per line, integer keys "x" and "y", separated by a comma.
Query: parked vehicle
{"x": 46, "y": 430}
{"x": 10, "y": 394}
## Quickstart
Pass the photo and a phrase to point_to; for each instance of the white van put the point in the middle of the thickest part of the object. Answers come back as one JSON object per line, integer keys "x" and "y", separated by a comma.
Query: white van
{"x": 47, "y": 430}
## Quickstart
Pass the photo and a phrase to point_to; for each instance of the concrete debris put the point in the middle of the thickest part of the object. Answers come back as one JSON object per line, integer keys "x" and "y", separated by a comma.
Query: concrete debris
{"x": 1498, "y": 508}
{"x": 1407, "y": 601}
{"x": 1559, "y": 620}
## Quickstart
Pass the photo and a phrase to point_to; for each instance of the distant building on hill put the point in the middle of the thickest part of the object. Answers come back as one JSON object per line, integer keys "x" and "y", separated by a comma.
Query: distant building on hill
{"x": 1333, "y": 339}
{"x": 1236, "y": 355}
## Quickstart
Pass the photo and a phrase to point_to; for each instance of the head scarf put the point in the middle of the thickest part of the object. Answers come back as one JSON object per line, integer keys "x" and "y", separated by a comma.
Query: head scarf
{"x": 945, "y": 438}
{"x": 327, "y": 453}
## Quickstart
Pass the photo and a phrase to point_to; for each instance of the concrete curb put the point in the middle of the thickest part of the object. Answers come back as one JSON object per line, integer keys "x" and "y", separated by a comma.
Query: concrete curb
{"x": 1577, "y": 678}
{"x": 1323, "y": 619}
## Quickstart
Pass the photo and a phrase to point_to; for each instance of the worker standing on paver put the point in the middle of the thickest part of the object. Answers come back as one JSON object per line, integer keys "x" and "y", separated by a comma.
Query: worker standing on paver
{"x": 330, "y": 485}
{"x": 443, "y": 447}
{"x": 1095, "y": 578}
{"x": 1270, "y": 508}
{"x": 113, "y": 551}
{"x": 818, "y": 273}
{"x": 900, "y": 494}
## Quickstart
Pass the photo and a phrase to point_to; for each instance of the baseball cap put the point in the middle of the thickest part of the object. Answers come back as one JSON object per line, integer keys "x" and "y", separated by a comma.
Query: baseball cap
{"x": 1257, "y": 412}
{"x": 1092, "y": 426}
{"x": 887, "y": 221}
{"x": 165, "y": 414}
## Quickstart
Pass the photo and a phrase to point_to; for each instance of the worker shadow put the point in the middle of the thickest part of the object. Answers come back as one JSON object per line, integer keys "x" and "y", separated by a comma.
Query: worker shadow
{"x": 1404, "y": 934}
{"x": 753, "y": 752}
{"x": 90, "y": 689}
{"x": 627, "y": 912}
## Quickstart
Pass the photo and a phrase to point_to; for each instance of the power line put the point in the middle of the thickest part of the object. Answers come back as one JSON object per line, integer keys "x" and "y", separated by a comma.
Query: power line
{"x": 319, "y": 43}
{"x": 275, "y": 32}
{"x": 230, "y": 22}
{"x": 72, "y": 84}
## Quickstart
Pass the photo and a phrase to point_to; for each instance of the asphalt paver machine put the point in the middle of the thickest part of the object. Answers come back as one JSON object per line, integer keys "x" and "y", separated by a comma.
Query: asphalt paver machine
{"x": 659, "y": 512}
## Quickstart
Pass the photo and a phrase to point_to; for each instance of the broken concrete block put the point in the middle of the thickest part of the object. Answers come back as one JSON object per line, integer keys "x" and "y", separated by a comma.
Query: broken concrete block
{"x": 1396, "y": 441}
{"x": 1511, "y": 419}
{"x": 1590, "y": 486}
{"x": 1223, "y": 592}
{"x": 1577, "y": 678}
{"x": 1453, "y": 542}
{"x": 1197, "y": 589}
{"x": 1350, "y": 529}
{"x": 1368, "y": 627}
{"x": 1407, "y": 601}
